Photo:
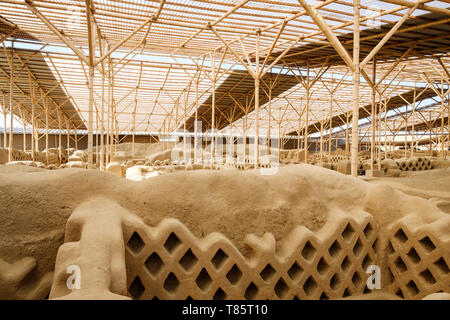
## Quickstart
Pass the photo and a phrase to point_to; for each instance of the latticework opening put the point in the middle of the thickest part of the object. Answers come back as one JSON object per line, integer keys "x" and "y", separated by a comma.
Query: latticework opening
{"x": 334, "y": 267}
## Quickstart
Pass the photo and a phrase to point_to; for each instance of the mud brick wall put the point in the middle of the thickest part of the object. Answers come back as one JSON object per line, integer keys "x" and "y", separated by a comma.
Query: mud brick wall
{"x": 169, "y": 262}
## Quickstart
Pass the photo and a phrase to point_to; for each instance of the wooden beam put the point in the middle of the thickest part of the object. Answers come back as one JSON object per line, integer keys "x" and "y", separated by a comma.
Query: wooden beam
{"x": 356, "y": 80}
{"x": 332, "y": 38}
{"x": 153, "y": 18}
{"x": 420, "y": 6}
{"x": 91, "y": 39}
{"x": 67, "y": 42}
{"x": 387, "y": 36}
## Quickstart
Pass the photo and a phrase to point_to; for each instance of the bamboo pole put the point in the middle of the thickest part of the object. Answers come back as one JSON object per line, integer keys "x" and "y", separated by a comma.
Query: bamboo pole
{"x": 330, "y": 123}
{"x": 321, "y": 141}
{"x": 91, "y": 40}
{"x": 448, "y": 126}
{"x": 213, "y": 107}
{"x": 68, "y": 135}
{"x": 102, "y": 121}
{"x": 307, "y": 112}
{"x": 133, "y": 130}
{"x": 412, "y": 132}
{"x": 356, "y": 80}
{"x": 257, "y": 80}
{"x": 406, "y": 131}
{"x": 269, "y": 118}
{"x": 184, "y": 129}
{"x": 59, "y": 139}
{"x": 11, "y": 104}
{"x": 22, "y": 117}
{"x": 385, "y": 134}
{"x": 379, "y": 135}
{"x": 244, "y": 128}
{"x": 4, "y": 108}
{"x": 112, "y": 118}
{"x": 46, "y": 128}
{"x": 196, "y": 146}
{"x": 373, "y": 115}
{"x": 108, "y": 115}
{"x": 387, "y": 36}
{"x": 442, "y": 96}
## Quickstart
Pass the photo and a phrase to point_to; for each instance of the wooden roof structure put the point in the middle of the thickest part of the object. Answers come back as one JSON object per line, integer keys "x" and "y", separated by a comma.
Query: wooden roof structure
{"x": 159, "y": 65}
{"x": 34, "y": 74}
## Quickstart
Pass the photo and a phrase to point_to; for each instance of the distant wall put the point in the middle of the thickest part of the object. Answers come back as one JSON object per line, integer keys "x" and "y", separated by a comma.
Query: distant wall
{"x": 83, "y": 140}
{"x": 53, "y": 140}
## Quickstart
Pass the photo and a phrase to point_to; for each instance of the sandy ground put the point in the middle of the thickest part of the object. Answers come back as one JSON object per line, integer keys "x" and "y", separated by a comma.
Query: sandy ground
{"x": 428, "y": 180}
{"x": 433, "y": 185}
{"x": 36, "y": 203}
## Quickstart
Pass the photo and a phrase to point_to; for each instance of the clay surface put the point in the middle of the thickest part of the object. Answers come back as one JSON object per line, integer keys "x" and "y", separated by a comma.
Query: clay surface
{"x": 35, "y": 205}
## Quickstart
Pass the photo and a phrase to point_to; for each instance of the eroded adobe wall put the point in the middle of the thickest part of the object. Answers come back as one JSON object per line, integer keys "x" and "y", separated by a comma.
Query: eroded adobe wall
{"x": 418, "y": 257}
{"x": 168, "y": 262}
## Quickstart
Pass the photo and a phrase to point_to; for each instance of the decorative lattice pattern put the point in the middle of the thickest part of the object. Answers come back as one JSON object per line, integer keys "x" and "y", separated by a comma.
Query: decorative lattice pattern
{"x": 419, "y": 260}
{"x": 169, "y": 262}
{"x": 414, "y": 164}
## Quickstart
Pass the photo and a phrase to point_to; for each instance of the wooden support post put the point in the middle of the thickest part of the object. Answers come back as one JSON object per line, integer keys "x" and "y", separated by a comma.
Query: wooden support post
{"x": 112, "y": 117}
{"x": 36, "y": 135}
{"x": 442, "y": 96}
{"x": 269, "y": 118}
{"x": 90, "y": 117}
{"x": 108, "y": 115}
{"x": 68, "y": 135}
{"x": 431, "y": 143}
{"x": 257, "y": 80}
{"x": 308, "y": 82}
{"x": 102, "y": 121}
{"x": 379, "y": 136}
{"x": 330, "y": 126}
{"x": 385, "y": 134}
{"x": 91, "y": 40}
{"x": 59, "y": 138}
{"x": 22, "y": 117}
{"x": 213, "y": 107}
{"x": 185, "y": 158}
{"x": 133, "y": 130}
{"x": 46, "y": 129}
{"x": 347, "y": 142}
{"x": 356, "y": 80}
{"x": 11, "y": 104}
{"x": 373, "y": 115}
{"x": 448, "y": 127}
{"x": 298, "y": 134}
{"x": 321, "y": 140}
{"x": 76, "y": 138}
{"x": 33, "y": 121}
{"x": 244, "y": 128}
{"x": 4, "y": 108}
{"x": 406, "y": 131}
{"x": 412, "y": 127}
{"x": 196, "y": 146}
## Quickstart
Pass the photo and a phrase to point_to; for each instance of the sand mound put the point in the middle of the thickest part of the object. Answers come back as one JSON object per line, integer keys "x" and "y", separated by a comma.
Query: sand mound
{"x": 35, "y": 204}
